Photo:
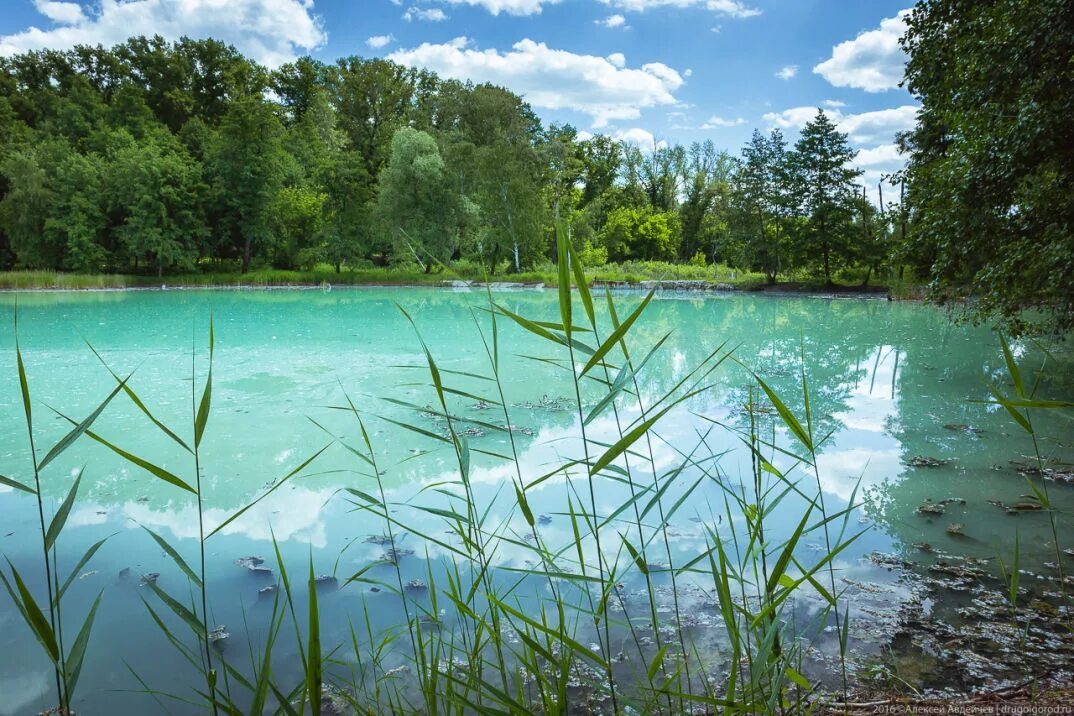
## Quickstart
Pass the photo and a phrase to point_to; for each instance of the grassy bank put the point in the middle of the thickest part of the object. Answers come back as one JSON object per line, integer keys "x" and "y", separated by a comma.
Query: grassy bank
{"x": 626, "y": 273}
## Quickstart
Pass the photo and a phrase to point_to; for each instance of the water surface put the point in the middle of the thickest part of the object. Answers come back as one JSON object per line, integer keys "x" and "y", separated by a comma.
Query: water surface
{"x": 886, "y": 379}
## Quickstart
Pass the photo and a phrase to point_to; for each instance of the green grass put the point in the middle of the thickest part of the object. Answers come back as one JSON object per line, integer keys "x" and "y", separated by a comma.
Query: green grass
{"x": 631, "y": 272}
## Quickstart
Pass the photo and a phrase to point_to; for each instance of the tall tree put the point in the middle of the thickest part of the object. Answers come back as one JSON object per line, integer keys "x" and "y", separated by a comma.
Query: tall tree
{"x": 824, "y": 180}
{"x": 991, "y": 171}
{"x": 417, "y": 203}
{"x": 248, "y": 164}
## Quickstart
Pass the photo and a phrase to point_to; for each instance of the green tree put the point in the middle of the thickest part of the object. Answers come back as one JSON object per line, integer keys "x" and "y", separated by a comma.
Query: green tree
{"x": 824, "y": 180}
{"x": 760, "y": 204}
{"x": 248, "y": 163}
{"x": 991, "y": 172}
{"x": 417, "y": 203}
{"x": 156, "y": 188}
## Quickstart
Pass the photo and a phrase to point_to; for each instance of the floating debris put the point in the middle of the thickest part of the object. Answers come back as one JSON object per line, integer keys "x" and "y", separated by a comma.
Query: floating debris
{"x": 125, "y": 573}
{"x": 480, "y": 405}
{"x": 266, "y": 592}
{"x": 249, "y": 562}
{"x": 380, "y": 540}
{"x": 397, "y": 671}
{"x": 218, "y": 636}
{"x": 326, "y": 581}
{"x": 148, "y": 578}
{"x": 1055, "y": 474}
{"x": 143, "y": 498}
{"x": 416, "y": 585}
{"x": 926, "y": 461}
{"x": 960, "y": 427}
{"x": 544, "y": 520}
{"x": 88, "y": 574}
{"x": 931, "y": 508}
{"x": 393, "y": 555}
{"x": 923, "y": 546}
{"x": 528, "y": 432}
{"x": 546, "y": 403}
{"x": 1017, "y": 506}
{"x": 955, "y": 528}
{"x": 374, "y": 589}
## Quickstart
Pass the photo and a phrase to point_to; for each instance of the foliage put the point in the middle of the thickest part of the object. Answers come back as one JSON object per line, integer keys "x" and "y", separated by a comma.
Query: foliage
{"x": 163, "y": 158}
{"x": 990, "y": 172}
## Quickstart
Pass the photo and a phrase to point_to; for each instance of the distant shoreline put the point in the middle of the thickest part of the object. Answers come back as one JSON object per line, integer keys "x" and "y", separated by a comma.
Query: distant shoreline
{"x": 785, "y": 290}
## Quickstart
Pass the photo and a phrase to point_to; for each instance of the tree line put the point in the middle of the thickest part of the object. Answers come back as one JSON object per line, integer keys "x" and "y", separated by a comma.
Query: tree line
{"x": 169, "y": 157}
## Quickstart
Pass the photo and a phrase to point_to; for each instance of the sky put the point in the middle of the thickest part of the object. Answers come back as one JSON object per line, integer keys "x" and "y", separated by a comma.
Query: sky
{"x": 647, "y": 71}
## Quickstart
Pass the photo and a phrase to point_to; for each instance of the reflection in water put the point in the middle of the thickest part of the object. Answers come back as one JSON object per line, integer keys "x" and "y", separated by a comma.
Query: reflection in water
{"x": 884, "y": 381}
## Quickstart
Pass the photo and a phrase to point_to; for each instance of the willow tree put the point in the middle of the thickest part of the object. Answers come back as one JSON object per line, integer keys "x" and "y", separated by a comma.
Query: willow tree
{"x": 417, "y": 202}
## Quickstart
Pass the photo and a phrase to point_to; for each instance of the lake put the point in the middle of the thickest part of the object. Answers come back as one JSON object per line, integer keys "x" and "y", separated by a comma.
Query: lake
{"x": 892, "y": 386}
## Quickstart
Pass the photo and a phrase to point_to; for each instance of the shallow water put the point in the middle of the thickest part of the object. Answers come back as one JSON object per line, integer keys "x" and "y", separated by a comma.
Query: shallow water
{"x": 886, "y": 378}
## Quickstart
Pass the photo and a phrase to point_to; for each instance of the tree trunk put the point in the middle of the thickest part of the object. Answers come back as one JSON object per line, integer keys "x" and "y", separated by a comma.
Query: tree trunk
{"x": 247, "y": 250}
{"x": 338, "y": 266}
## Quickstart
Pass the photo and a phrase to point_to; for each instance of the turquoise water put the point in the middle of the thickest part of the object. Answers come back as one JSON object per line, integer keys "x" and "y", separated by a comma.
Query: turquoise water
{"x": 886, "y": 378}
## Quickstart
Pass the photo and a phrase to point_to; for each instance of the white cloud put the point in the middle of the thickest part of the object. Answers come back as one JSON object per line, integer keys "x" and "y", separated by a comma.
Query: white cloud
{"x": 270, "y": 31}
{"x": 873, "y": 61}
{"x": 510, "y": 7}
{"x": 883, "y": 155}
{"x": 379, "y": 41}
{"x": 788, "y": 72}
{"x": 833, "y": 103}
{"x": 553, "y": 79}
{"x": 863, "y": 128}
{"x": 730, "y": 8}
{"x": 612, "y": 21}
{"x": 714, "y": 121}
{"x": 433, "y": 14}
{"x": 63, "y": 13}
{"x": 618, "y": 59}
{"x": 641, "y": 137}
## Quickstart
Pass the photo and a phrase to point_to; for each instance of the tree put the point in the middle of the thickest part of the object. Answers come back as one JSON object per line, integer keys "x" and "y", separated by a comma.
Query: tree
{"x": 703, "y": 212}
{"x": 156, "y": 187}
{"x": 417, "y": 202}
{"x": 248, "y": 165}
{"x": 639, "y": 233}
{"x": 760, "y": 204}
{"x": 24, "y": 211}
{"x": 991, "y": 173}
{"x": 823, "y": 178}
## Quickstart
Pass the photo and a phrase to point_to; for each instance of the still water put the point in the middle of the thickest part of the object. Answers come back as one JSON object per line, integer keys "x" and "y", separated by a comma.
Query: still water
{"x": 889, "y": 381}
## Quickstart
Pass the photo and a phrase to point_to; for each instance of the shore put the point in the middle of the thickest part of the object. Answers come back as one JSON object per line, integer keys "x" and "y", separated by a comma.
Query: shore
{"x": 47, "y": 281}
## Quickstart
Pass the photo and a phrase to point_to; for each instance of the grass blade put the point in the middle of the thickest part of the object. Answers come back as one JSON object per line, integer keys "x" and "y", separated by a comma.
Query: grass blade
{"x": 58, "y": 520}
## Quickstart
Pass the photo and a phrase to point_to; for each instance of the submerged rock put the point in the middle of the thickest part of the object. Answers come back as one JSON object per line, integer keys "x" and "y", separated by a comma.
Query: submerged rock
{"x": 955, "y": 528}
{"x": 266, "y": 592}
{"x": 416, "y": 585}
{"x": 149, "y": 578}
{"x": 125, "y": 573}
{"x": 931, "y": 508}
{"x": 249, "y": 562}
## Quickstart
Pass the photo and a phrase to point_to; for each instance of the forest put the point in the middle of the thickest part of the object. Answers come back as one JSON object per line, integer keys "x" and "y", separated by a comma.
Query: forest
{"x": 157, "y": 157}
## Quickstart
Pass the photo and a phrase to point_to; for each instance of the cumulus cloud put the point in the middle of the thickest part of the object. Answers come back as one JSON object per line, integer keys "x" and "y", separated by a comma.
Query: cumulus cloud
{"x": 788, "y": 72}
{"x": 510, "y": 7}
{"x": 612, "y": 21}
{"x": 714, "y": 121}
{"x": 729, "y": 8}
{"x": 873, "y": 61}
{"x": 641, "y": 137}
{"x": 378, "y": 41}
{"x": 270, "y": 31}
{"x": 554, "y": 79}
{"x": 863, "y": 128}
{"x": 432, "y": 14}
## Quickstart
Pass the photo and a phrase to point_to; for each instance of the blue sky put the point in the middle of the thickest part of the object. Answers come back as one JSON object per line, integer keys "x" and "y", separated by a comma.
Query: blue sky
{"x": 642, "y": 70}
